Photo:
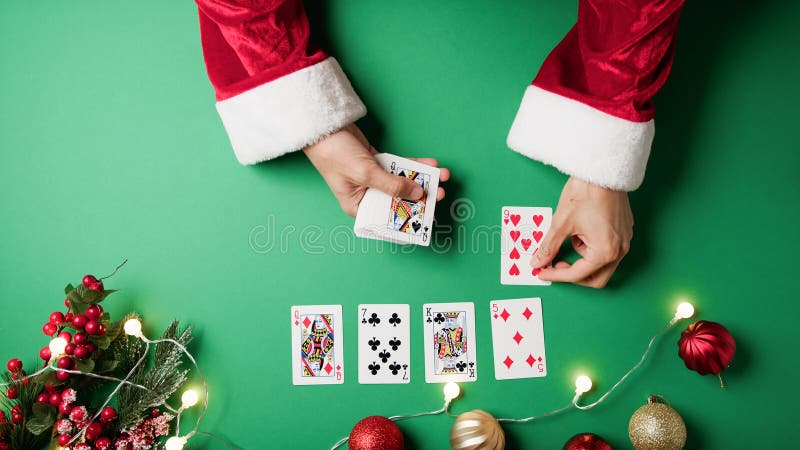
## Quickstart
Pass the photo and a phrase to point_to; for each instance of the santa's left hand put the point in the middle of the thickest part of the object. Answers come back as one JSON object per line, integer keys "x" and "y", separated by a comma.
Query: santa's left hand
{"x": 600, "y": 223}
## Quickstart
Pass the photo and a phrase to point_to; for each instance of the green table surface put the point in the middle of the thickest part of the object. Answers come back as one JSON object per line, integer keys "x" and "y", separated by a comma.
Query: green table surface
{"x": 110, "y": 148}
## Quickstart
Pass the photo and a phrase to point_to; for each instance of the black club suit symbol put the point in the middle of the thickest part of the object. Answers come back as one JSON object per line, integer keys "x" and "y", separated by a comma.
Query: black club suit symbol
{"x": 394, "y": 343}
{"x": 374, "y": 343}
{"x": 374, "y": 319}
{"x": 384, "y": 356}
{"x": 439, "y": 318}
{"x": 395, "y": 320}
{"x": 461, "y": 366}
{"x": 374, "y": 368}
{"x": 394, "y": 367}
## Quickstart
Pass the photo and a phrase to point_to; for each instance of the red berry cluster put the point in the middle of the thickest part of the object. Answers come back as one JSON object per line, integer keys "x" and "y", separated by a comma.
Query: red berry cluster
{"x": 78, "y": 418}
{"x": 14, "y": 366}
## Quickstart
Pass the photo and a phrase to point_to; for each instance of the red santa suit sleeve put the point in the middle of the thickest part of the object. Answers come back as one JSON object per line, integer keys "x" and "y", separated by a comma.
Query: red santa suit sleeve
{"x": 275, "y": 92}
{"x": 589, "y": 111}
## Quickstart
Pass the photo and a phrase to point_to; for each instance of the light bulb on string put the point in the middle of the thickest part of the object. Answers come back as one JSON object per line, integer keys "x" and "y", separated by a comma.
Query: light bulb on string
{"x": 57, "y": 347}
{"x": 189, "y": 398}
{"x": 583, "y": 384}
{"x": 175, "y": 443}
{"x": 133, "y": 327}
{"x": 451, "y": 391}
{"x": 685, "y": 310}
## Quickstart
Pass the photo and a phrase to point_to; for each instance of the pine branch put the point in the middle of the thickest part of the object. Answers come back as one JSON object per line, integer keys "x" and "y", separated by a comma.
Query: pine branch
{"x": 162, "y": 378}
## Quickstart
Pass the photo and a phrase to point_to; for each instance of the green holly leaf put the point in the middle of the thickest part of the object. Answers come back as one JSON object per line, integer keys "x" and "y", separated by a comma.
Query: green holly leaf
{"x": 48, "y": 378}
{"x": 105, "y": 294}
{"x": 84, "y": 365}
{"x": 69, "y": 288}
{"x": 76, "y": 308}
{"x": 114, "y": 329}
{"x": 102, "y": 342}
{"x": 106, "y": 366}
{"x": 43, "y": 410}
{"x": 44, "y": 416}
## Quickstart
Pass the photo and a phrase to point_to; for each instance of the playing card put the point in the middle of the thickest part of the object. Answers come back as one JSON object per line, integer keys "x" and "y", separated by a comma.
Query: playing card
{"x": 317, "y": 345}
{"x": 449, "y": 342}
{"x": 523, "y": 230}
{"x": 383, "y": 344}
{"x": 518, "y": 338}
{"x": 394, "y": 219}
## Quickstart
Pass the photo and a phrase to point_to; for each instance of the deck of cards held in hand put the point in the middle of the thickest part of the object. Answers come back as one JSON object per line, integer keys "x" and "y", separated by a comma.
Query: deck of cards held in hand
{"x": 394, "y": 219}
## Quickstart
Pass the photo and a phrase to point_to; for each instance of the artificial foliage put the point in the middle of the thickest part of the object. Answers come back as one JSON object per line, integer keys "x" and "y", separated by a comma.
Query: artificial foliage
{"x": 91, "y": 408}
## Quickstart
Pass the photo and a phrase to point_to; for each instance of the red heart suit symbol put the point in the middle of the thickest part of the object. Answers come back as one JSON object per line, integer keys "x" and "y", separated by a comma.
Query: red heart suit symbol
{"x": 514, "y": 254}
{"x": 536, "y": 272}
{"x": 514, "y": 235}
{"x": 537, "y": 235}
{"x": 537, "y": 219}
{"x": 515, "y": 219}
{"x": 526, "y": 243}
{"x": 514, "y": 271}
{"x": 505, "y": 221}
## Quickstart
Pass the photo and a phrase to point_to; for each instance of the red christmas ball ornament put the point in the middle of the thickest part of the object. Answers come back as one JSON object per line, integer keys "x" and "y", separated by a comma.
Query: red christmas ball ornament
{"x": 43, "y": 398}
{"x": 94, "y": 312}
{"x": 70, "y": 349}
{"x": 88, "y": 280}
{"x": 102, "y": 443}
{"x": 63, "y": 376}
{"x": 66, "y": 335}
{"x": 92, "y": 327}
{"x": 57, "y": 317}
{"x": 14, "y": 365}
{"x": 55, "y": 398}
{"x": 707, "y": 347}
{"x": 108, "y": 414}
{"x": 79, "y": 321}
{"x": 376, "y": 433}
{"x": 45, "y": 353}
{"x": 49, "y": 329}
{"x": 586, "y": 441}
{"x": 12, "y": 393}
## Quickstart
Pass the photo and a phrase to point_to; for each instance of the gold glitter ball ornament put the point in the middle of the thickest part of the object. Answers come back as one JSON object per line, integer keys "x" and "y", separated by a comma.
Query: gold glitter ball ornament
{"x": 477, "y": 430}
{"x": 656, "y": 426}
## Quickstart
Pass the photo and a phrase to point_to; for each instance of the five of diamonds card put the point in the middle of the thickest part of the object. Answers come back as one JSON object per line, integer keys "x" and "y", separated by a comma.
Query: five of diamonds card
{"x": 518, "y": 338}
{"x": 522, "y": 231}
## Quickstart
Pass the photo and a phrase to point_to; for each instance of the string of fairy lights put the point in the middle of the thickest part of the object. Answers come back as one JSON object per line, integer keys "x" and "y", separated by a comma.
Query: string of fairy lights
{"x": 583, "y": 384}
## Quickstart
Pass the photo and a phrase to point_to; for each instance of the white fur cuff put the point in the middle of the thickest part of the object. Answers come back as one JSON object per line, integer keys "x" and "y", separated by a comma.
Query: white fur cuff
{"x": 289, "y": 113}
{"x": 581, "y": 141}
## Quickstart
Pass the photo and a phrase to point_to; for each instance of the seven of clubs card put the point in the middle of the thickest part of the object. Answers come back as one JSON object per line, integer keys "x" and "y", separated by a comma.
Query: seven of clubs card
{"x": 395, "y": 219}
{"x": 383, "y": 344}
{"x": 518, "y": 338}
{"x": 523, "y": 230}
{"x": 317, "y": 345}
{"x": 449, "y": 342}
